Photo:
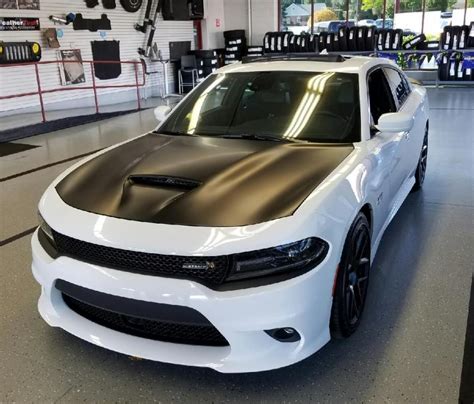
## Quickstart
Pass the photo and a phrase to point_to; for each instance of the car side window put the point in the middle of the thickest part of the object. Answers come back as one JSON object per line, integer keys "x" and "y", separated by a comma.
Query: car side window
{"x": 381, "y": 100}
{"x": 398, "y": 85}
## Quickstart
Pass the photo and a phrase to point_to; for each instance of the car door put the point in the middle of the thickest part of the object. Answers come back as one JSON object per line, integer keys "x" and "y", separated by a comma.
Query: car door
{"x": 409, "y": 102}
{"x": 386, "y": 146}
{"x": 409, "y": 149}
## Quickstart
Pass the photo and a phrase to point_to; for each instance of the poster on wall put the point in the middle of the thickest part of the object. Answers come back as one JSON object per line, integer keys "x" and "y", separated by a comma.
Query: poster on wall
{"x": 8, "y": 4}
{"x": 19, "y": 24}
{"x": 71, "y": 71}
{"x": 29, "y": 4}
{"x": 21, "y": 4}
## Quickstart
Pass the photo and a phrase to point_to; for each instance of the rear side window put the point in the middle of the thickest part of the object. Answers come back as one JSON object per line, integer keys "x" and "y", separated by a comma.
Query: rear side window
{"x": 399, "y": 86}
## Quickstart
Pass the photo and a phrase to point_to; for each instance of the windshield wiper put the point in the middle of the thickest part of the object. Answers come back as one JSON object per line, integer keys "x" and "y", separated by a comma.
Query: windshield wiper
{"x": 168, "y": 132}
{"x": 254, "y": 136}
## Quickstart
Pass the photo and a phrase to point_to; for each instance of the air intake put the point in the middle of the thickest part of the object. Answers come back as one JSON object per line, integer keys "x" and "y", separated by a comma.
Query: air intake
{"x": 164, "y": 181}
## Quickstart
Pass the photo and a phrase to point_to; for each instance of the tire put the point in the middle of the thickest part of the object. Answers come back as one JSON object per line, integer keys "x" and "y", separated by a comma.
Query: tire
{"x": 422, "y": 163}
{"x": 352, "y": 280}
{"x": 132, "y": 6}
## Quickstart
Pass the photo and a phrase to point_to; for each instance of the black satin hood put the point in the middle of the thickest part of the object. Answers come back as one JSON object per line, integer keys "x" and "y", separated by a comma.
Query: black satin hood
{"x": 200, "y": 181}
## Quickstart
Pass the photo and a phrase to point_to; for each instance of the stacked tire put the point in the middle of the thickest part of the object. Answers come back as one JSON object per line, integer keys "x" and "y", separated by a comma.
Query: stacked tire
{"x": 353, "y": 39}
{"x": 470, "y": 41}
{"x": 304, "y": 44}
{"x": 457, "y": 37}
{"x": 206, "y": 61}
{"x": 454, "y": 66}
{"x": 235, "y": 46}
{"x": 389, "y": 39}
{"x": 418, "y": 42}
{"x": 255, "y": 51}
{"x": 277, "y": 42}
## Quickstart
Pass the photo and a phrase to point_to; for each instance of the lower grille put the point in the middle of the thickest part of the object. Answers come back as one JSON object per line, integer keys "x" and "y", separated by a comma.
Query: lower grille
{"x": 150, "y": 329}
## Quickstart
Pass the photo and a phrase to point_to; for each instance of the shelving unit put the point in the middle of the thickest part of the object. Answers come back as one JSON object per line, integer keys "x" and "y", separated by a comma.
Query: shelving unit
{"x": 427, "y": 75}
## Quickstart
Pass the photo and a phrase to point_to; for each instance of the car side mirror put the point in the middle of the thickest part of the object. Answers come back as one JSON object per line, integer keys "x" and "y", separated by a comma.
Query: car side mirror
{"x": 395, "y": 122}
{"x": 161, "y": 112}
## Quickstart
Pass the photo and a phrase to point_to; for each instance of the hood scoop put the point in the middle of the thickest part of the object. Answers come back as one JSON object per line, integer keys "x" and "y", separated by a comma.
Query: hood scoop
{"x": 164, "y": 181}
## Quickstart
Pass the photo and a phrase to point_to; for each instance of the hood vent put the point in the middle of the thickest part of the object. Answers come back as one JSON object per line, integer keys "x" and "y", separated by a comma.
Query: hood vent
{"x": 164, "y": 181}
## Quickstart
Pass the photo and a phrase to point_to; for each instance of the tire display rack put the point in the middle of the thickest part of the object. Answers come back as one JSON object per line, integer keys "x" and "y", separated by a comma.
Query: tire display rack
{"x": 454, "y": 66}
{"x": 448, "y": 66}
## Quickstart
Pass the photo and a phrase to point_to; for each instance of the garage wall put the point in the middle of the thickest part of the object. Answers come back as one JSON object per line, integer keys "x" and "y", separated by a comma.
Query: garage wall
{"x": 14, "y": 80}
{"x": 236, "y": 14}
{"x": 264, "y": 18}
{"x": 213, "y": 25}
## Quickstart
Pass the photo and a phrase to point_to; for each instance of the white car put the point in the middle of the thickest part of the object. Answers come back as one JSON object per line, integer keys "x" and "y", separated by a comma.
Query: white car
{"x": 239, "y": 234}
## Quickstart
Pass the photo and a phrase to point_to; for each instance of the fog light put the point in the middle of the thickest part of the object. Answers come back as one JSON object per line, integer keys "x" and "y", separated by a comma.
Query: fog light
{"x": 285, "y": 334}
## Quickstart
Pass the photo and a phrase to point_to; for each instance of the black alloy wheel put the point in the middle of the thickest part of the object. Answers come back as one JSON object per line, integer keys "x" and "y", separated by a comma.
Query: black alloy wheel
{"x": 352, "y": 280}
{"x": 422, "y": 162}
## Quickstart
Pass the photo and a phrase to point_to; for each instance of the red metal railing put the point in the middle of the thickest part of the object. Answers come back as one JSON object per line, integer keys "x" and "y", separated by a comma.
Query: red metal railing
{"x": 137, "y": 65}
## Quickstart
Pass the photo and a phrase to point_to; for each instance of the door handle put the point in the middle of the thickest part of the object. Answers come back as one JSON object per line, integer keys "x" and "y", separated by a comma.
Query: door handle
{"x": 407, "y": 135}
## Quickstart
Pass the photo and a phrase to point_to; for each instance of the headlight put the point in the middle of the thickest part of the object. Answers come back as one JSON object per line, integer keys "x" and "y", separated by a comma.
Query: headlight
{"x": 301, "y": 255}
{"x": 45, "y": 227}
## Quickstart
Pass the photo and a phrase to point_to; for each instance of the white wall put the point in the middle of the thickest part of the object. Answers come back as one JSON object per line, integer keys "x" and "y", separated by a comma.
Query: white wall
{"x": 264, "y": 17}
{"x": 214, "y": 15}
{"x": 234, "y": 14}
{"x": 15, "y": 80}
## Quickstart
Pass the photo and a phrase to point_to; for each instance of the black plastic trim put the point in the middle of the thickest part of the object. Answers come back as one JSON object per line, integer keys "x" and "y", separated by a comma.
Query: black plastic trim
{"x": 47, "y": 244}
{"x": 224, "y": 285}
{"x": 303, "y": 56}
{"x": 275, "y": 331}
{"x": 135, "y": 308}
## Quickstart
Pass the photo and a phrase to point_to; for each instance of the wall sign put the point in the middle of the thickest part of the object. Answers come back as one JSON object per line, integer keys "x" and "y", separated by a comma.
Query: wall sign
{"x": 19, "y": 24}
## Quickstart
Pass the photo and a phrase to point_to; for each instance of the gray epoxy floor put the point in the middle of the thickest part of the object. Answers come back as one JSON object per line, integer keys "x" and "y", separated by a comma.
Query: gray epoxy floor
{"x": 409, "y": 347}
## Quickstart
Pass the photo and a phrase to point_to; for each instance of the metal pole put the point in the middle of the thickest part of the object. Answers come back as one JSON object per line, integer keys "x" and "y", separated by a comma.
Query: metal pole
{"x": 384, "y": 11}
{"x": 250, "y": 21}
{"x": 311, "y": 21}
{"x": 465, "y": 12}
{"x": 94, "y": 88}
{"x": 423, "y": 5}
{"x": 347, "y": 11}
{"x": 136, "y": 84}
{"x": 43, "y": 114}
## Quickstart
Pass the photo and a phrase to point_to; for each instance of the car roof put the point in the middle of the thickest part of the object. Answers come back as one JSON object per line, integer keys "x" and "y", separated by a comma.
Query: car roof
{"x": 358, "y": 65}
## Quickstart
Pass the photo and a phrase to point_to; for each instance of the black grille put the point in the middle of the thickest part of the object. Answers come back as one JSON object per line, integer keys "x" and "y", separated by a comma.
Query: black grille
{"x": 151, "y": 329}
{"x": 19, "y": 52}
{"x": 207, "y": 270}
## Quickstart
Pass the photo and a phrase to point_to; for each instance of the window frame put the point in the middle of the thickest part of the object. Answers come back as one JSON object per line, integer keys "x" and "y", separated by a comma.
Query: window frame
{"x": 398, "y": 103}
{"x": 371, "y": 123}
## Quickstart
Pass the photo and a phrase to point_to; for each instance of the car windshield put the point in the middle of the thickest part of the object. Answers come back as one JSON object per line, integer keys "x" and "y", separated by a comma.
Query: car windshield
{"x": 273, "y": 105}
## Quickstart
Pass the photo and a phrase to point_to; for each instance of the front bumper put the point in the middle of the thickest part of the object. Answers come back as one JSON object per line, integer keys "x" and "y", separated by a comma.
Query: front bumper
{"x": 241, "y": 316}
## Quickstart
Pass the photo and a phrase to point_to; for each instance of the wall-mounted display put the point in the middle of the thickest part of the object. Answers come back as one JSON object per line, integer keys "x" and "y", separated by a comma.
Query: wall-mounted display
{"x": 21, "y": 4}
{"x": 19, "y": 24}
{"x": 8, "y": 4}
{"x": 110, "y": 4}
{"x": 71, "y": 71}
{"x": 106, "y": 51}
{"x": 91, "y": 24}
{"x": 183, "y": 10}
{"x": 51, "y": 37}
{"x": 29, "y": 4}
{"x": 19, "y": 52}
{"x": 132, "y": 6}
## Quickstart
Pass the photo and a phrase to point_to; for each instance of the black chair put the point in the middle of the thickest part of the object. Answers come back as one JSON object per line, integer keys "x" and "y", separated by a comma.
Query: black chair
{"x": 188, "y": 67}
